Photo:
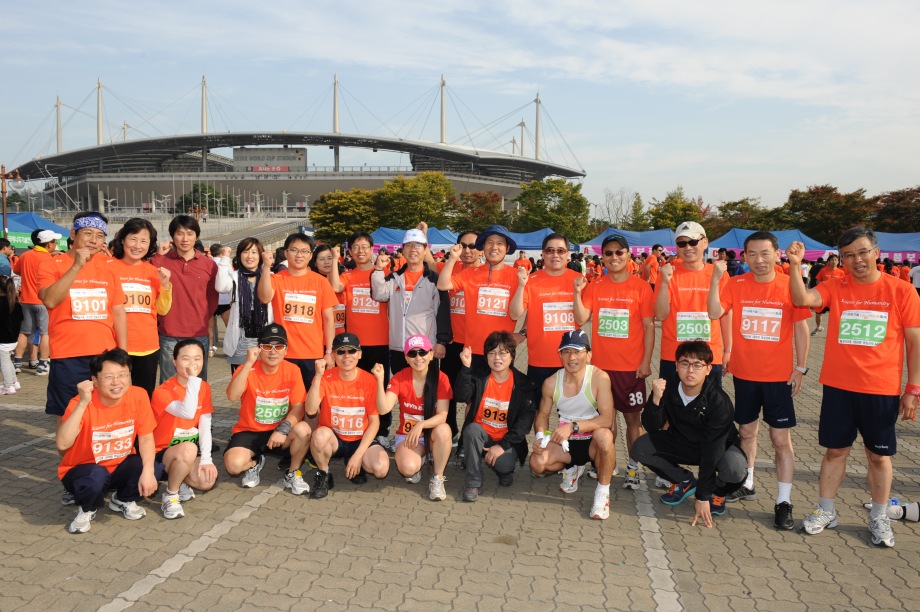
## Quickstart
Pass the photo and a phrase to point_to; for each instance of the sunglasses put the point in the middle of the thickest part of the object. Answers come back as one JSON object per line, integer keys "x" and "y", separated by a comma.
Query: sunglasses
{"x": 346, "y": 351}
{"x": 686, "y": 243}
{"x": 618, "y": 253}
{"x": 555, "y": 251}
{"x": 272, "y": 347}
{"x": 471, "y": 246}
{"x": 417, "y": 353}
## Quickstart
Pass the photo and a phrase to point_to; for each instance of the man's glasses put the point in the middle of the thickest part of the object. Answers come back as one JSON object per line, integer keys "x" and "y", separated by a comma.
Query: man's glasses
{"x": 272, "y": 347}
{"x": 361, "y": 247}
{"x": 471, "y": 246}
{"x": 686, "y": 243}
{"x": 555, "y": 251}
{"x": 618, "y": 253}
{"x": 417, "y": 353}
{"x": 696, "y": 366}
{"x": 863, "y": 254}
{"x": 108, "y": 378}
{"x": 303, "y": 252}
{"x": 345, "y": 351}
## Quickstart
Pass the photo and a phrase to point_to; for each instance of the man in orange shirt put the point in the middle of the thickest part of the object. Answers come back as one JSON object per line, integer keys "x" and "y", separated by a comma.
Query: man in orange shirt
{"x": 680, "y": 303}
{"x": 34, "y": 313}
{"x": 873, "y": 318}
{"x": 764, "y": 322}
{"x": 522, "y": 262}
{"x": 623, "y": 333}
{"x": 829, "y": 271}
{"x": 96, "y": 438}
{"x": 652, "y": 264}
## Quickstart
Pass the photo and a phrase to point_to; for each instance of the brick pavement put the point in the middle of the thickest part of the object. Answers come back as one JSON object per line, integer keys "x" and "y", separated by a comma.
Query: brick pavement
{"x": 386, "y": 546}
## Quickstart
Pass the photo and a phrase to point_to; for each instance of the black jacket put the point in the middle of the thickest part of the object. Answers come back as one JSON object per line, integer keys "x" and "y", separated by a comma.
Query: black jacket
{"x": 521, "y": 410}
{"x": 706, "y": 423}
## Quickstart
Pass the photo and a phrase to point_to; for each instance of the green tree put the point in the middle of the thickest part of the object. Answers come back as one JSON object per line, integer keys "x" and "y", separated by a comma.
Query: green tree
{"x": 823, "y": 213}
{"x": 336, "y": 215}
{"x": 746, "y": 213}
{"x": 674, "y": 209}
{"x": 207, "y": 197}
{"x": 403, "y": 202}
{"x": 638, "y": 219}
{"x": 898, "y": 211}
{"x": 554, "y": 203}
{"x": 477, "y": 210}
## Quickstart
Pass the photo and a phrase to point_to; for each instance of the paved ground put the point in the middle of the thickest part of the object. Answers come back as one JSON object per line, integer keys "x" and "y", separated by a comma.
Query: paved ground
{"x": 385, "y": 546}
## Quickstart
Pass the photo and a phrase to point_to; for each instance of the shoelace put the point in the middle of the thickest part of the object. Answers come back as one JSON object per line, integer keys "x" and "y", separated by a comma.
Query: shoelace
{"x": 718, "y": 500}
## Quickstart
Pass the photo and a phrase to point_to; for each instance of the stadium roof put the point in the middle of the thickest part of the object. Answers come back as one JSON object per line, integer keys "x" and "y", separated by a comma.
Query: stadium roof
{"x": 153, "y": 155}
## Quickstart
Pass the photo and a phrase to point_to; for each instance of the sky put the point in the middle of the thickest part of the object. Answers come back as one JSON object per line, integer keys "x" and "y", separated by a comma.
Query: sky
{"x": 726, "y": 99}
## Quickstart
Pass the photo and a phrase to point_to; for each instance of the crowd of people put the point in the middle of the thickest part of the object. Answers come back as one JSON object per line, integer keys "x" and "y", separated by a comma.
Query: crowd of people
{"x": 326, "y": 350}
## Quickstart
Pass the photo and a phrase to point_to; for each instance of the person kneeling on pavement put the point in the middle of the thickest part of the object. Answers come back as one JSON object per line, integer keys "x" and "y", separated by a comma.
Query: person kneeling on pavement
{"x": 500, "y": 411}
{"x": 700, "y": 430}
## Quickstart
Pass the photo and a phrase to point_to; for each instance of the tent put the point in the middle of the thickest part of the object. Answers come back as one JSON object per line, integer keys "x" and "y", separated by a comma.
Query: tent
{"x": 734, "y": 240}
{"x": 391, "y": 238}
{"x": 899, "y": 247}
{"x": 532, "y": 241}
{"x": 21, "y": 225}
{"x": 639, "y": 242}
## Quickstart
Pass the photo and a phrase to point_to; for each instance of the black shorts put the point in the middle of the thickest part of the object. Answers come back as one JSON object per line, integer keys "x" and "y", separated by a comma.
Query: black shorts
{"x": 347, "y": 448}
{"x": 63, "y": 378}
{"x": 221, "y": 309}
{"x": 774, "y": 397}
{"x": 578, "y": 450}
{"x": 255, "y": 441}
{"x": 844, "y": 413}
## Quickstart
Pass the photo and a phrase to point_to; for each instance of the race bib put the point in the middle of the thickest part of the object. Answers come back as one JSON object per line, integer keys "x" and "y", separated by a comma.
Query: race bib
{"x": 270, "y": 410}
{"x": 863, "y": 327}
{"x": 89, "y": 304}
{"x": 495, "y": 413}
{"x": 410, "y": 421}
{"x": 761, "y": 323}
{"x": 693, "y": 326}
{"x": 458, "y": 303}
{"x": 613, "y": 323}
{"x": 299, "y": 307}
{"x": 362, "y": 302}
{"x": 348, "y": 421}
{"x": 493, "y": 301}
{"x": 115, "y": 444}
{"x": 138, "y": 298}
{"x": 184, "y": 435}
{"x": 558, "y": 316}
{"x": 339, "y": 313}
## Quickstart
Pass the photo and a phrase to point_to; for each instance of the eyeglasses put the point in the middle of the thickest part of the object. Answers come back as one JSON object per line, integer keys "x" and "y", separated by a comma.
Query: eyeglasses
{"x": 303, "y": 252}
{"x": 345, "y": 351}
{"x": 471, "y": 246}
{"x": 863, "y": 254}
{"x": 555, "y": 251}
{"x": 618, "y": 253}
{"x": 686, "y": 243}
{"x": 498, "y": 353}
{"x": 272, "y": 347}
{"x": 696, "y": 366}
{"x": 113, "y": 377}
{"x": 417, "y": 353}
{"x": 572, "y": 351}
{"x": 361, "y": 247}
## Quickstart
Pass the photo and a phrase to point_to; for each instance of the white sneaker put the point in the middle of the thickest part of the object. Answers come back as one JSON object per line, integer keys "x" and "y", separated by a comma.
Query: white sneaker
{"x": 415, "y": 478}
{"x": 880, "y": 528}
{"x": 819, "y": 518}
{"x": 251, "y": 476}
{"x": 631, "y": 480}
{"x": 171, "y": 507}
{"x": 570, "y": 478}
{"x": 295, "y": 482}
{"x": 436, "y": 488}
{"x": 17, "y": 386}
{"x": 130, "y": 510}
{"x": 662, "y": 483}
{"x": 82, "y": 522}
{"x": 212, "y": 352}
{"x": 601, "y": 508}
{"x": 10, "y": 390}
{"x": 186, "y": 492}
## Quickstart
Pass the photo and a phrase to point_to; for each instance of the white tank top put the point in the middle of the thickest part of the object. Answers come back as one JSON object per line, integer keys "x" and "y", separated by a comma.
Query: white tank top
{"x": 580, "y": 407}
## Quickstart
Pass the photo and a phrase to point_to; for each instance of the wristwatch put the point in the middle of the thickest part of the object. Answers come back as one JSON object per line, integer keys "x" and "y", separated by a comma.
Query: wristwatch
{"x": 801, "y": 369}
{"x": 574, "y": 427}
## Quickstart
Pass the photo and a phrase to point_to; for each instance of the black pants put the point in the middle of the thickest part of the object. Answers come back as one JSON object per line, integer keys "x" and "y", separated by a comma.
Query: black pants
{"x": 144, "y": 371}
{"x": 451, "y": 365}
{"x": 664, "y": 452}
{"x": 89, "y": 482}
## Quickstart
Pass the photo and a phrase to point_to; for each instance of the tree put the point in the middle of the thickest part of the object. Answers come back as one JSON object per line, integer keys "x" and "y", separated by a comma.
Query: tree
{"x": 823, "y": 213}
{"x": 638, "y": 219}
{"x": 898, "y": 211}
{"x": 337, "y": 215}
{"x": 403, "y": 202}
{"x": 477, "y": 210}
{"x": 616, "y": 207}
{"x": 209, "y": 199}
{"x": 554, "y": 203}
{"x": 745, "y": 213}
{"x": 675, "y": 209}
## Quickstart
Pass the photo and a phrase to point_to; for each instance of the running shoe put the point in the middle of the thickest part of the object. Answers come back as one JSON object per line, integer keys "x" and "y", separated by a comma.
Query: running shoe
{"x": 321, "y": 485}
{"x": 360, "y": 478}
{"x": 880, "y": 528}
{"x": 82, "y": 522}
{"x": 42, "y": 368}
{"x": 782, "y": 516}
{"x": 171, "y": 507}
{"x": 631, "y": 480}
{"x": 717, "y": 505}
{"x": 570, "y": 478}
{"x": 436, "y": 488}
{"x": 819, "y": 518}
{"x": 471, "y": 494}
{"x": 67, "y": 498}
{"x": 415, "y": 478}
{"x": 295, "y": 482}
{"x": 186, "y": 492}
{"x": 600, "y": 510}
{"x": 130, "y": 510}
{"x": 679, "y": 491}
{"x": 742, "y": 493}
{"x": 251, "y": 476}
{"x": 9, "y": 390}
{"x": 506, "y": 480}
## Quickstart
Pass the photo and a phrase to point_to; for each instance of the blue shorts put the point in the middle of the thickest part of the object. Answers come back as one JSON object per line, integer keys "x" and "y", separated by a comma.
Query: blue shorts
{"x": 774, "y": 397}
{"x": 844, "y": 413}
{"x": 63, "y": 378}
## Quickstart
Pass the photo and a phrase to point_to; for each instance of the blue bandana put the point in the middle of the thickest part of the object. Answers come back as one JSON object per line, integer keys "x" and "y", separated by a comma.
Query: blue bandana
{"x": 94, "y": 221}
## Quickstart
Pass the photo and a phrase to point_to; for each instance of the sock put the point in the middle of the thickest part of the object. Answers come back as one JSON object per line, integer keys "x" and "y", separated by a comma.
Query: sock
{"x": 749, "y": 482}
{"x": 826, "y": 504}
{"x": 877, "y": 510}
{"x": 602, "y": 490}
{"x": 783, "y": 492}
{"x": 168, "y": 492}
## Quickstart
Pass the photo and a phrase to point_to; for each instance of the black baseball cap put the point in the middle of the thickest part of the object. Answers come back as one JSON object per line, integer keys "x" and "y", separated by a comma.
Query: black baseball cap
{"x": 576, "y": 339}
{"x": 272, "y": 333}
{"x": 618, "y": 238}
{"x": 346, "y": 340}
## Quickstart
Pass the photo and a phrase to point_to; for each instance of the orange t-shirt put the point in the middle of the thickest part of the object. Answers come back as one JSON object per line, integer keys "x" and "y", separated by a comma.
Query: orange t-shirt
{"x": 82, "y": 324}
{"x": 688, "y": 318}
{"x": 825, "y": 274}
{"x": 523, "y": 263}
{"x": 412, "y": 406}
{"x": 170, "y": 429}
{"x": 762, "y": 324}
{"x": 864, "y": 352}
{"x": 107, "y": 433}
{"x": 617, "y": 331}
{"x": 27, "y": 268}
{"x": 632, "y": 266}
{"x": 347, "y": 405}
{"x": 268, "y": 397}
{"x": 298, "y": 304}
{"x": 548, "y": 300}
{"x": 785, "y": 267}
{"x": 458, "y": 308}
{"x": 904, "y": 273}
{"x": 492, "y": 413}
{"x": 651, "y": 269}
{"x": 488, "y": 297}
{"x": 141, "y": 285}
{"x": 364, "y": 316}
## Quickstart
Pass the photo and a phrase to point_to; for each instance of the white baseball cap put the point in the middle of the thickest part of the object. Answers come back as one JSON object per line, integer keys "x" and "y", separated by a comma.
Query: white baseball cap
{"x": 415, "y": 235}
{"x": 690, "y": 229}
{"x": 46, "y": 236}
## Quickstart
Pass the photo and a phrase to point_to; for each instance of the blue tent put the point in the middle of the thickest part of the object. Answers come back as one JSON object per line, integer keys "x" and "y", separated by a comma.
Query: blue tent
{"x": 734, "y": 239}
{"x": 21, "y": 225}
{"x": 898, "y": 243}
{"x": 391, "y": 237}
{"x": 639, "y": 242}
{"x": 533, "y": 241}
